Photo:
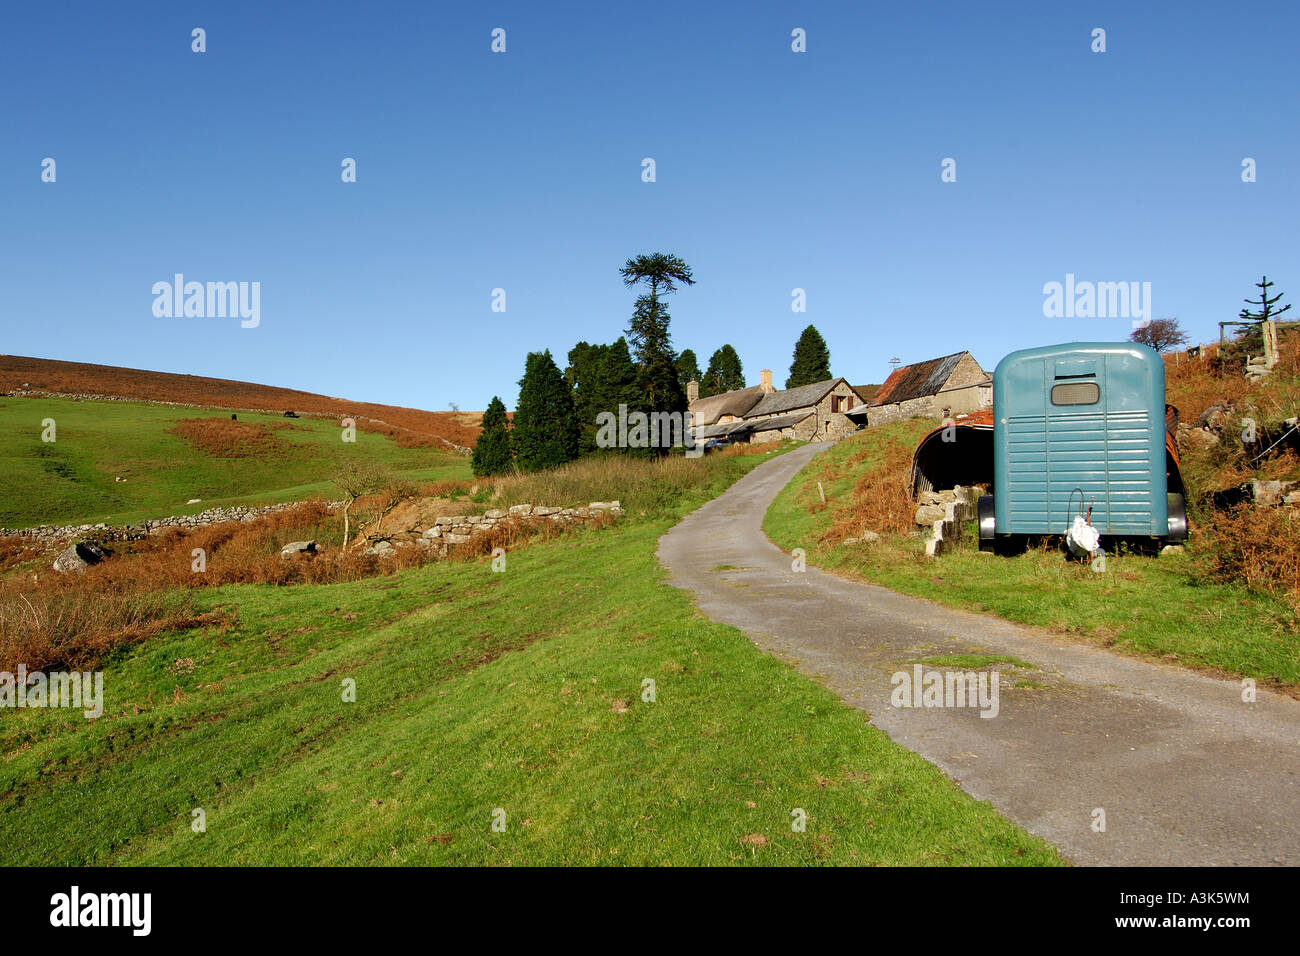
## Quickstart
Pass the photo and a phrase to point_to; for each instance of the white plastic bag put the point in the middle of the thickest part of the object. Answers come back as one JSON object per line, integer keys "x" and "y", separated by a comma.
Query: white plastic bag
{"x": 1082, "y": 537}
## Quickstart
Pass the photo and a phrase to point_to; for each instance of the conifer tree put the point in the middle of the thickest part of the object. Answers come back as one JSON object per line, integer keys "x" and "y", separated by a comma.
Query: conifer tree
{"x": 688, "y": 368}
{"x": 492, "y": 453}
{"x": 545, "y": 430}
{"x": 648, "y": 333}
{"x": 812, "y": 360}
{"x": 724, "y": 374}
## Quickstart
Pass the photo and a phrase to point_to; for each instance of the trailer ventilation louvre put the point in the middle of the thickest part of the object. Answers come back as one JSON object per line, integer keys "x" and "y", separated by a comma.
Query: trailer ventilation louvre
{"x": 1076, "y": 393}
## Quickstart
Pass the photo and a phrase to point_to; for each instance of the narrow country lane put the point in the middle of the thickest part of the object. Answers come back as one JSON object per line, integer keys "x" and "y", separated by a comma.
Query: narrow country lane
{"x": 1186, "y": 773}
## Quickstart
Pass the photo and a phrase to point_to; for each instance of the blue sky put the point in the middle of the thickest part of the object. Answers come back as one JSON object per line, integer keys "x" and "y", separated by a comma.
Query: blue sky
{"x": 522, "y": 171}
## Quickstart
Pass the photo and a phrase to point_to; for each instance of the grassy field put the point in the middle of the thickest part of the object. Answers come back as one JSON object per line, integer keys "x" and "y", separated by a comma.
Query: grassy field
{"x": 478, "y": 692}
{"x": 1161, "y": 607}
{"x": 71, "y": 480}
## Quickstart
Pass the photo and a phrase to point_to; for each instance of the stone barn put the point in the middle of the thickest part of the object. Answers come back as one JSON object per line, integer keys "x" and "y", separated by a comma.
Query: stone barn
{"x": 761, "y": 413}
{"x": 950, "y": 385}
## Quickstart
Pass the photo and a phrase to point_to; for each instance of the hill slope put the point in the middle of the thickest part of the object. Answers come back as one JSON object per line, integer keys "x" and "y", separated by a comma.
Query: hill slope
{"x": 409, "y": 427}
{"x": 160, "y": 443}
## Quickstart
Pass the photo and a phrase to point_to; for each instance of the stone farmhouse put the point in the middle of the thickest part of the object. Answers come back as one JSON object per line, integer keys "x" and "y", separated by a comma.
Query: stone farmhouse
{"x": 950, "y": 385}
{"x": 761, "y": 413}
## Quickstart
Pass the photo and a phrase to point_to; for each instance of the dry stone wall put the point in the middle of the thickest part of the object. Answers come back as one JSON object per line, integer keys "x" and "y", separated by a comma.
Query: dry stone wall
{"x": 462, "y": 529}
{"x": 50, "y": 535}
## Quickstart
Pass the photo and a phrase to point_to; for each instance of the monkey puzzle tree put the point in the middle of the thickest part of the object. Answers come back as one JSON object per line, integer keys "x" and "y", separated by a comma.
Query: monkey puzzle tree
{"x": 1266, "y": 311}
{"x": 648, "y": 333}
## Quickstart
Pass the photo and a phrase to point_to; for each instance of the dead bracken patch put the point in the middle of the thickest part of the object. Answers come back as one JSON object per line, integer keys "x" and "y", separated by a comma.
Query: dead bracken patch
{"x": 223, "y": 438}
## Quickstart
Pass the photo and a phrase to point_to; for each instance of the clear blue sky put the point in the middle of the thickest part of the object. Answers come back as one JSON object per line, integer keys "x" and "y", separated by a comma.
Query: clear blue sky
{"x": 522, "y": 171}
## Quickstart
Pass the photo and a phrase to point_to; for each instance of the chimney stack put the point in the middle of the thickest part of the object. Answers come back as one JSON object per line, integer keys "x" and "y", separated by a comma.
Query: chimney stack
{"x": 765, "y": 381}
{"x": 692, "y": 391}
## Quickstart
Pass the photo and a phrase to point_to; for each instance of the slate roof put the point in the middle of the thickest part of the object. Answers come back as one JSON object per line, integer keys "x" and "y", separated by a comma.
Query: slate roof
{"x": 720, "y": 431}
{"x": 792, "y": 398}
{"x": 916, "y": 381}
{"x": 708, "y": 410}
{"x": 780, "y": 421}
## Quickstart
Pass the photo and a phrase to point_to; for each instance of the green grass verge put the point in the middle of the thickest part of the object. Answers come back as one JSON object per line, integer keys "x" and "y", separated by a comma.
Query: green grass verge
{"x": 1153, "y": 606}
{"x": 475, "y": 691}
{"x": 71, "y": 480}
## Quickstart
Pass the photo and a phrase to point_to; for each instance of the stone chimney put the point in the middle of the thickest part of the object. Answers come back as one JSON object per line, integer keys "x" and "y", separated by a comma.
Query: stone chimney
{"x": 692, "y": 391}
{"x": 765, "y": 381}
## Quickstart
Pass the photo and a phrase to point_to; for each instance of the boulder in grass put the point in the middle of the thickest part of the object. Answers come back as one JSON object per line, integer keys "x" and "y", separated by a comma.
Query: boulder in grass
{"x": 79, "y": 556}
{"x": 867, "y": 537}
{"x": 295, "y": 548}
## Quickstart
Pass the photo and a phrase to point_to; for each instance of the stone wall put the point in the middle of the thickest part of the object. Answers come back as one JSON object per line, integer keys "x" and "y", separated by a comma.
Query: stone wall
{"x": 50, "y": 535}
{"x": 462, "y": 529}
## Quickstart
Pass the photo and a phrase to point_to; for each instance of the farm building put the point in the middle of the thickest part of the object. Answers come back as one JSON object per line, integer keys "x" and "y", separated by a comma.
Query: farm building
{"x": 761, "y": 413}
{"x": 951, "y": 385}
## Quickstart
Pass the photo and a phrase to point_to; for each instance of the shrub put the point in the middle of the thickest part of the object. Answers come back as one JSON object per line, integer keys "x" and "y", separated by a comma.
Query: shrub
{"x": 1258, "y": 546}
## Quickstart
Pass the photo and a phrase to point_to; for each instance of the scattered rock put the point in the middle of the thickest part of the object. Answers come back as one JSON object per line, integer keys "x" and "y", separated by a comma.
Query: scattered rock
{"x": 79, "y": 556}
{"x": 1272, "y": 492}
{"x": 865, "y": 538}
{"x": 929, "y": 514}
{"x": 297, "y": 547}
{"x": 1172, "y": 549}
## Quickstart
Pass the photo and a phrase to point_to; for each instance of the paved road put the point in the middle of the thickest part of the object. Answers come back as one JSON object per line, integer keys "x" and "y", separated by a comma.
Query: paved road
{"x": 1185, "y": 771}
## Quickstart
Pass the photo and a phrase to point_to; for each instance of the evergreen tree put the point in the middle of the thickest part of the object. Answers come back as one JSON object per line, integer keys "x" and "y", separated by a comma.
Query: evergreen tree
{"x": 619, "y": 379}
{"x": 1250, "y": 339}
{"x": 648, "y": 333}
{"x": 688, "y": 368}
{"x": 724, "y": 374}
{"x": 492, "y": 453}
{"x": 812, "y": 360}
{"x": 603, "y": 376}
{"x": 545, "y": 430}
{"x": 584, "y": 377}
{"x": 1266, "y": 311}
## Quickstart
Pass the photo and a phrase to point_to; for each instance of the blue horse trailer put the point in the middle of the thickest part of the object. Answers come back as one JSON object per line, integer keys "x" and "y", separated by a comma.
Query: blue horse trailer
{"x": 1081, "y": 428}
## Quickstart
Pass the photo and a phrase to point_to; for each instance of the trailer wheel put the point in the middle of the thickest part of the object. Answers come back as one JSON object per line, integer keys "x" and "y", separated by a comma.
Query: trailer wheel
{"x": 987, "y": 523}
{"x": 1177, "y": 517}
